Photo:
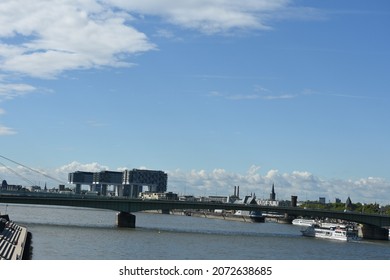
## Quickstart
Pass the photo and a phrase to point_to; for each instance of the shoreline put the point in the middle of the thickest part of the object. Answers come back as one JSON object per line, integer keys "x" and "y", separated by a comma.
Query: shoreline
{"x": 221, "y": 216}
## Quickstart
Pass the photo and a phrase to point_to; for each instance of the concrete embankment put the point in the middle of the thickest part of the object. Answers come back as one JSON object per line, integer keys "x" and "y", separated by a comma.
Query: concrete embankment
{"x": 15, "y": 240}
{"x": 204, "y": 214}
{"x": 219, "y": 216}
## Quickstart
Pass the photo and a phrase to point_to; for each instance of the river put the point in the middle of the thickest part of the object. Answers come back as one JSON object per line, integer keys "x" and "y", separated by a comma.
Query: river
{"x": 64, "y": 233}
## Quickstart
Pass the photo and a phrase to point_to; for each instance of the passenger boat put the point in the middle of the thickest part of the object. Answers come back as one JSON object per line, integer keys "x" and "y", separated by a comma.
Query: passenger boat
{"x": 303, "y": 222}
{"x": 343, "y": 234}
{"x": 332, "y": 225}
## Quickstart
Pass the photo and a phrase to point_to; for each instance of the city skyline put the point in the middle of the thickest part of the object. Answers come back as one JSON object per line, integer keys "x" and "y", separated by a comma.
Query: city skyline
{"x": 248, "y": 190}
{"x": 214, "y": 93}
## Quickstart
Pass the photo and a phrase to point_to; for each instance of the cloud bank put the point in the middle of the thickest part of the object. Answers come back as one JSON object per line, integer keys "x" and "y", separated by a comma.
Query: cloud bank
{"x": 42, "y": 39}
{"x": 206, "y": 16}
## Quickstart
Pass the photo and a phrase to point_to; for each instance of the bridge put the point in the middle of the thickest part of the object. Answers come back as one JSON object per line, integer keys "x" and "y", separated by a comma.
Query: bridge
{"x": 374, "y": 226}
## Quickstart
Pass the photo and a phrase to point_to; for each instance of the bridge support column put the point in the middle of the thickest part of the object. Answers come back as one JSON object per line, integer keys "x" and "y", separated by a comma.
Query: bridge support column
{"x": 165, "y": 211}
{"x": 373, "y": 232}
{"x": 124, "y": 219}
{"x": 286, "y": 219}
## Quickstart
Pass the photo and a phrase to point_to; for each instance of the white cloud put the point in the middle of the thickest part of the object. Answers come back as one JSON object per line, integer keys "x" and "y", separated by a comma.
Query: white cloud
{"x": 10, "y": 91}
{"x": 210, "y": 16}
{"x": 77, "y": 166}
{"x": 251, "y": 96}
{"x": 164, "y": 33}
{"x": 45, "y": 38}
{"x": 4, "y": 130}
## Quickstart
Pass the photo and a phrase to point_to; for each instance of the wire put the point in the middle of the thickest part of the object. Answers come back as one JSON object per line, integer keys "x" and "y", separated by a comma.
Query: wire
{"x": 17, "y": 174}
{"x": 36, "y": 171}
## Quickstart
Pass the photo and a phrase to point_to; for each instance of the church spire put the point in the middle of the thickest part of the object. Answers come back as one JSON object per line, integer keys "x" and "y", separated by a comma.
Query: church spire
{"x": 272, "y": 196}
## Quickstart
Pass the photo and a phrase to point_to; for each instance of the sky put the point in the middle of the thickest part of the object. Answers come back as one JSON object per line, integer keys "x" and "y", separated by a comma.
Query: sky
{"x": 215, "y": 93}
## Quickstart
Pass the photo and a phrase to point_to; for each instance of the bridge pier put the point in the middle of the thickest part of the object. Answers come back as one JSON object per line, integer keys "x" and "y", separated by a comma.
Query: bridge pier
{"x": 373, "y": 232}
{"x": 287, "y": 219}
{"x": 124, "y": 219}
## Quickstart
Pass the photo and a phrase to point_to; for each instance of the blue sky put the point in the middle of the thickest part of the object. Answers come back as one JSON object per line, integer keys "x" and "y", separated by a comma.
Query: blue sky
{"x": 215, "y": 93}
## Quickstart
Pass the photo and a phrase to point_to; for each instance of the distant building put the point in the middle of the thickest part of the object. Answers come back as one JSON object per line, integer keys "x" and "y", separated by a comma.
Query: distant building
{"x": 348, "y": 204}
{"x": 272, "y": 195}
{"x": 171, "y": 196}
{"x": 293, "y": 202}
{"x": 103, "y": 179}
{"x": 156, "y": 181}
{"x": 271, "y": 201}
{"x": 187, "y": 198}
{"x": 214, "y": 198}
{"x": 248, "y": 199}
{"x": 80, "y": 178}
{"x": 34, "y": 188}
{"x": 158, "y": 196}
{"x": 151, "y": 195}
{"x": 128, "y": 183}
{"x": 266, "y": 202}
{"x": 322, "y": 200}
{"x": 235, "y": 196}
{"x": 6, "y": 187}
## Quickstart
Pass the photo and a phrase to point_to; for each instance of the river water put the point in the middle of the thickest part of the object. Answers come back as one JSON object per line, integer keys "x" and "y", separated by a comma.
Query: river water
{"x": 63, "y": 233}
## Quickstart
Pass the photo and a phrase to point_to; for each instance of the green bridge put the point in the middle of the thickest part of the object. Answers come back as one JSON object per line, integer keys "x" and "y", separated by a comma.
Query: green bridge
{"x": 374, "y": 226}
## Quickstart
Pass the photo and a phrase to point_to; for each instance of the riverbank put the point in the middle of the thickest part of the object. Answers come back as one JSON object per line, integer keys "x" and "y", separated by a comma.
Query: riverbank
{"x": 206, "y": 214}
{"x": 225, "y": 216}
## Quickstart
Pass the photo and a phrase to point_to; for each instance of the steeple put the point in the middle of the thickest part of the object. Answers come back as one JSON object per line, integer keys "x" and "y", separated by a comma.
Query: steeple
{"x": 272, "y": 196}
{"x": 348, "y": 204}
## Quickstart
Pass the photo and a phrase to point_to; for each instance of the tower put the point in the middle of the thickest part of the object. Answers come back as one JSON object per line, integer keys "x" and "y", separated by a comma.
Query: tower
{"x": 272, "y": 195}
{"x": 348, "y": 204}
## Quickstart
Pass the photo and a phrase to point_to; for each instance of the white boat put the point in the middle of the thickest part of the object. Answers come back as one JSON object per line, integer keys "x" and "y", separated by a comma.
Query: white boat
{"x": 303, "y": 222}
{"x": 332, "y": 225}
{"x": 342, "y": 234}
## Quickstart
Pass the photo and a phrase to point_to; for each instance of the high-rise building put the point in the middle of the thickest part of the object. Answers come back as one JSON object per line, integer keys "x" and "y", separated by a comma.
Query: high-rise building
{"x": 127, "y": 183}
